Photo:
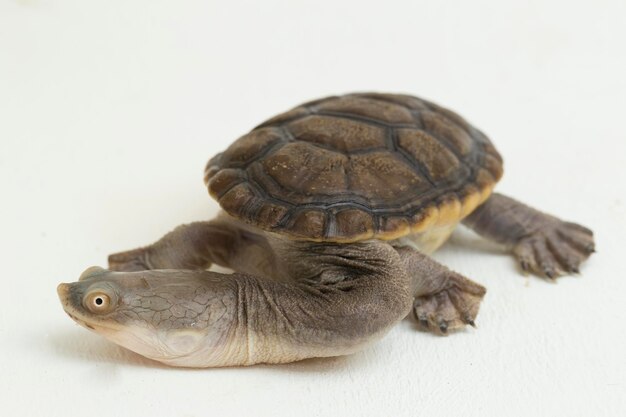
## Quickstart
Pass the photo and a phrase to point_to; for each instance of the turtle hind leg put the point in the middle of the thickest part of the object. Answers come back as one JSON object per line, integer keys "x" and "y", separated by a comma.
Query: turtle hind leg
{"x": 543, "y": 244}
{"x": 444, "y": 300}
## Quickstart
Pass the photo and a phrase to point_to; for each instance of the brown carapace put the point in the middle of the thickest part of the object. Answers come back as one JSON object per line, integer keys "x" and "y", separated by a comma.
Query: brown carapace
{"x": 354, "y": 167}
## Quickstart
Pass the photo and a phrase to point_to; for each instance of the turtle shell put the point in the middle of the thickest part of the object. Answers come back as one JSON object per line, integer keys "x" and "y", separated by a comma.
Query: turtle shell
{"x": 354, "y": 167}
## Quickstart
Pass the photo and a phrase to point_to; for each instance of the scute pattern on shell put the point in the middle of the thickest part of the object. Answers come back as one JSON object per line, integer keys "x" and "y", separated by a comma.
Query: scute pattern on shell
{"x": 354, "y": 167}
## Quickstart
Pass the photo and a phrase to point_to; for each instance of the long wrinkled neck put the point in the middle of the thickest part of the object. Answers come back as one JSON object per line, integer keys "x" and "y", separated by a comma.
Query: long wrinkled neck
{"x": 341, "y": 297}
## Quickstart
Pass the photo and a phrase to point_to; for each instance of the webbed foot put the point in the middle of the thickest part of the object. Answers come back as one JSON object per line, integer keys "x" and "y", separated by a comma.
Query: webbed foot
{"x": 557, "y": 248}
{"x": 450, "y": 308}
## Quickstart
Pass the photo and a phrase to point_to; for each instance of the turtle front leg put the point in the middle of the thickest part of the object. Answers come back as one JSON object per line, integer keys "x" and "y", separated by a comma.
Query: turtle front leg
{"x": 444, "y": 299}
{"x": 542, "y": 244}
{"x": 196, "y": 246}
{"x": 189, "y": 246}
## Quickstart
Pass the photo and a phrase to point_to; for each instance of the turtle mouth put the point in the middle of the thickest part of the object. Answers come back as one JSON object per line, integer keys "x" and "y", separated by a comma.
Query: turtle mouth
{"x": 79, "y": 321}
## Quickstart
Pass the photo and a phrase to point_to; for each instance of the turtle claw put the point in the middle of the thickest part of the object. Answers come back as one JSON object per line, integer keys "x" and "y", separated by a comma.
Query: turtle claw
{"x": 549, "y": 272}
{"x": 451, "y": 308}
{"x": 556, "y": 249}
{"x": 443, "y": 326}
{"x": 468, "y": 320}
{"x": 422, "y": 319}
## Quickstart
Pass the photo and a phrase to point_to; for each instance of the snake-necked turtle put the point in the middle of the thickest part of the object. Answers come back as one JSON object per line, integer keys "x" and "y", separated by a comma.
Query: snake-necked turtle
{"x": 329, "y": 213}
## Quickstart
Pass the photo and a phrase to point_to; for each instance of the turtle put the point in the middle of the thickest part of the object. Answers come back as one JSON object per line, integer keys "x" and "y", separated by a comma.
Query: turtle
{"x": 329, "y": 214}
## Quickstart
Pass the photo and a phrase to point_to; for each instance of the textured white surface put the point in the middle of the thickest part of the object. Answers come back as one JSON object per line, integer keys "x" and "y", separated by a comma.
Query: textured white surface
{"x": 109, "y": 110}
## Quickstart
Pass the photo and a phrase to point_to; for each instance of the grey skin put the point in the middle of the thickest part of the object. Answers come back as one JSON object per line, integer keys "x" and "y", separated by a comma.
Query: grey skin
{"x": 290, "y": 300}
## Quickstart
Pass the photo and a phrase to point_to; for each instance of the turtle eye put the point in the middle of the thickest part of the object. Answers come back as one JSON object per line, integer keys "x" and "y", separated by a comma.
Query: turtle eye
{"x": 98, "y": 302}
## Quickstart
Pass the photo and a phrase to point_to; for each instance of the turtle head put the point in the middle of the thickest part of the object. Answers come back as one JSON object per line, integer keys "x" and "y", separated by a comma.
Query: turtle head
{"x": 142, "y": 311}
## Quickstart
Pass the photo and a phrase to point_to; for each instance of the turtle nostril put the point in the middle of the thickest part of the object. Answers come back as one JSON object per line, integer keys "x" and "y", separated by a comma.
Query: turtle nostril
{"x": 63, "y": 290}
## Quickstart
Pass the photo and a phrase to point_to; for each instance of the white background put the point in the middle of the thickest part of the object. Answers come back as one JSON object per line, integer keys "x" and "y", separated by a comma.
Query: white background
{"x": 110, "y": 109}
